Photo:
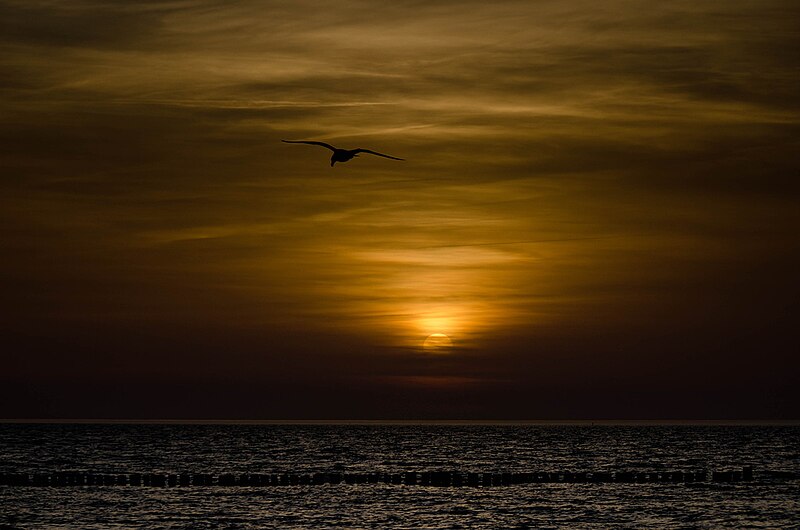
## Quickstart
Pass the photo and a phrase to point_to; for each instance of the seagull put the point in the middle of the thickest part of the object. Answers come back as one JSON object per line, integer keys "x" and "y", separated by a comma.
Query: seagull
{"x": 341, "y": 155}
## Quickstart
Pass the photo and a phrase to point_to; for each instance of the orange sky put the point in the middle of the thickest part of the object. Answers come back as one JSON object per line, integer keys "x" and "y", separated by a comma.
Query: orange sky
{"x": 598, "y": 207}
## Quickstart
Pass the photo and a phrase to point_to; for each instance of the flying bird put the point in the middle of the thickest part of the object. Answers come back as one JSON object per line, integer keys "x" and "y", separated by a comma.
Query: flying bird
{"x": 341, "y": 155}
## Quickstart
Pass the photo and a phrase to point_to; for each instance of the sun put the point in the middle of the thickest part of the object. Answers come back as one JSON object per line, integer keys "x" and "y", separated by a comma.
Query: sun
{"x": 437, "y": 343}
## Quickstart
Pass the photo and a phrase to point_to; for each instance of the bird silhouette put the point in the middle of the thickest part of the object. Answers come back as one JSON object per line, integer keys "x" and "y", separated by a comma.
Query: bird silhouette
{"x": 341, "y": 155}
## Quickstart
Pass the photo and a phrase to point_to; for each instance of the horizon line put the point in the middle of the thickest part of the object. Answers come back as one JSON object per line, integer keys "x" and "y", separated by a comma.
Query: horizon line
{"x": 544, "y": 422}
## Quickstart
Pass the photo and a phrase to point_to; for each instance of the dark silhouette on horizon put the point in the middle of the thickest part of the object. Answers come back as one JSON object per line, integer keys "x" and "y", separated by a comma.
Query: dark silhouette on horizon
{"x": 341, "y": 155}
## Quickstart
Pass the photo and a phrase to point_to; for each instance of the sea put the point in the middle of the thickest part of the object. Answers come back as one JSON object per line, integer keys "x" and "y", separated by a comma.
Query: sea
{"x": 770, "y": 500}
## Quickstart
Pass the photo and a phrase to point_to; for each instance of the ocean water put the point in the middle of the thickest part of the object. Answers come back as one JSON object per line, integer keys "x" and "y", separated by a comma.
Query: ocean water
{"x": 771, "y": 500}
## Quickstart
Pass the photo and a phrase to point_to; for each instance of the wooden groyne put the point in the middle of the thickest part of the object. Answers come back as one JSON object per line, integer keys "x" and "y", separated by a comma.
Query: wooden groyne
{"x": 408, "y": 478}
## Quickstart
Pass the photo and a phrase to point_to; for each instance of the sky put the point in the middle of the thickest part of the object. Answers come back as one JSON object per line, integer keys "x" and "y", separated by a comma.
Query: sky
{"x": 596, "y": 217}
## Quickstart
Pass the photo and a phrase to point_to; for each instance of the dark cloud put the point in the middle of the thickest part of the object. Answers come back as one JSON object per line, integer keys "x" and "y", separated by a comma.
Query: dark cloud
{"x": 77, "y": 24}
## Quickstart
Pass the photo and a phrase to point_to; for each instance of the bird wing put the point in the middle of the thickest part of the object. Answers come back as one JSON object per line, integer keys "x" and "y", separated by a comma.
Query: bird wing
{"x": 376, "y": 153}
{"x": 323, "y": 144}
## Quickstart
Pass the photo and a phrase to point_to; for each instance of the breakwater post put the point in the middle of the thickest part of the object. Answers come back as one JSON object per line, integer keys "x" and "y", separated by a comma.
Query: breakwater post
{"x": 407, "y": 478}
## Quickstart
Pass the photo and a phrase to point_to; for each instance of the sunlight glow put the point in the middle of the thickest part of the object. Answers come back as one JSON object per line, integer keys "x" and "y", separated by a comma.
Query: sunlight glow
{"x": 437, "y": 343}
{"x": 436, "y": 324}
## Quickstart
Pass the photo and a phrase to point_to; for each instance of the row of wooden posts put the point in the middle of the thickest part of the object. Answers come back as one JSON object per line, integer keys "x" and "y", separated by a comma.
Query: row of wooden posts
{"x": 409, "y": 478}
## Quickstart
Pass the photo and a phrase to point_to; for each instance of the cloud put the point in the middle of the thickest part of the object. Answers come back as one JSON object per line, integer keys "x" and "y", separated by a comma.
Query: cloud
{"x": 574, "y": 173}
